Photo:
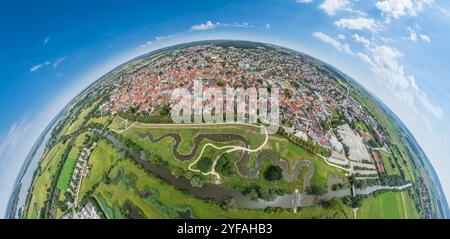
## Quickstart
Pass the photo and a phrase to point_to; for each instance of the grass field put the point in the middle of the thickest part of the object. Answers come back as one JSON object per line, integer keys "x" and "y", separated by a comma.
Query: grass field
{"x": 100, "y": 120}
{"x": 80, "y": 119}
{"x": 389, "y": 205}
{"x": 164, "y": 148}
{"x": 189, "y": 132}
{"x": 69, "y": 166}
{"x": 390, "y": 169}
{"x": 285, "y": 149}
{"x": 134, "y": 179}
{"x": 290, "y": 152}
{"x": 43, "y": 181}
{"x": 100, "y": 161}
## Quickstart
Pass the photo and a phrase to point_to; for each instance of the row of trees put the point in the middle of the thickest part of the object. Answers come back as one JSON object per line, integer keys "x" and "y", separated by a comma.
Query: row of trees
{"x": 269, "y": 194}
{"x": 309, "y": 145}
{"x": 144, "y": 118}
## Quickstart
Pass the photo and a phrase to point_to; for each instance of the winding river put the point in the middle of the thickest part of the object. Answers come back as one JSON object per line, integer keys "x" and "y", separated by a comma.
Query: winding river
{"x": 219, "y": 193}
{"x": 242, "y": 169}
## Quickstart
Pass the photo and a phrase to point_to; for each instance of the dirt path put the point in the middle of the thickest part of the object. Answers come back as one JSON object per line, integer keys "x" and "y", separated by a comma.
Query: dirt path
{"x": 404, "y": 205}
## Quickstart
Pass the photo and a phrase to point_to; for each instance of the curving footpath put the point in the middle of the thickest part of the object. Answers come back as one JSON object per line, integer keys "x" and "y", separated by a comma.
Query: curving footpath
{"x": 262, "y": 155}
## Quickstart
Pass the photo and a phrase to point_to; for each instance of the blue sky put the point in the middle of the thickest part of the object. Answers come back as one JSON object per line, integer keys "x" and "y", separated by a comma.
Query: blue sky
{"x": 51, "y": 50}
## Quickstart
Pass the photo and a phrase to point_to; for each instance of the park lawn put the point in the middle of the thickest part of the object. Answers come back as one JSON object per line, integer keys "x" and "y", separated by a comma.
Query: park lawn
{"x": 67, "y": 170}
{"x": 164, "y": 148}
{"x": 79, "y": 141}
{"x": 290, "y": 152}
{"x": 100, "y": 120}
{"x": 189, "y": 132}
{"x": 251, "y": 162}
{"x": 43, "y": 180}
{"x": 211, "y": 153}
{"x": 240, "y": 183}
{"x": 49, "y": 157}
{"x": 69, "y": 165}
{"x": 100, "y": 161}
{"x": 388, "y": 205}
{"x": 400, "y": 163}
{"x": 387, "y": 164}
{"x": 34, "y": 213}
{"x": 205, "y": 162}
{"x": 59, "y": 213}
{"x": 118, "y": 123}
{"x": 281, "y": 146}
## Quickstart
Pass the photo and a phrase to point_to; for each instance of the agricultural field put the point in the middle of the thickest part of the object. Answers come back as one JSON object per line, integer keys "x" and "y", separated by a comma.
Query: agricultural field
{"x": 100, "y": 161}
{"x": 388, "y": 205}
{"x": 43, "y": 181}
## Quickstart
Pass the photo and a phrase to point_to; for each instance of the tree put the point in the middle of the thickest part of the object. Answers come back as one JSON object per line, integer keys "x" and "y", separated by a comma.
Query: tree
{"x": 356, "y": 202}
{"x": 165, "y": 110}
{"x": 318, "y": 190}
{"x": 197, "y": 181}
{"x": 224, "y": 166}
{"x": 267, "y": 194}
{"x": 229, "y": 205}
{"x": 273, "y": 173}
{"x": 220, "y": 83}
{"x": 204, "y": 164}
{"x": 177, "y": 172}
{"x": 251, "y": 193}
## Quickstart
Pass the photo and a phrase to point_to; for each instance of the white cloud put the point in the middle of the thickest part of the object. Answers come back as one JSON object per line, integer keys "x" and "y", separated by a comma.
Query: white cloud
{"x": 39, "y": 66}
{"x": 399, "y": 8}
{"x": 10, "y": 141}
{"x": 383, "y": 61}
{"x": 414, "y": 37}
{"x": 204, "y": 26}
{"x": 366, "y": 42}
{"x": 147, "y": 44}
{"x": 443, "y": 10}
{"x": 435, "y": 110}
{"x": 342, "y": 37}
{"x": 333, "y": 6}
{"x": 46, "y": 40}
{"x": 236, "y": 24}
{"x": 209, "y": 25}
{"x": 333, "y": 42}
{"x": 59, "y": 61}
{"x": 360, "y": 23}
{"x": 159, "y": 38}
{"x": 425, "y": 38}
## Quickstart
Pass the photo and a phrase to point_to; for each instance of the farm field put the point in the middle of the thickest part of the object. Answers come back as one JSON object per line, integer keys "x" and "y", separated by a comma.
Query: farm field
{"x": 388, "y": 205}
